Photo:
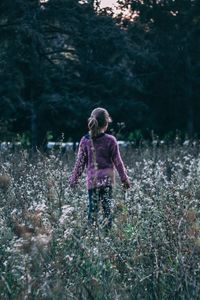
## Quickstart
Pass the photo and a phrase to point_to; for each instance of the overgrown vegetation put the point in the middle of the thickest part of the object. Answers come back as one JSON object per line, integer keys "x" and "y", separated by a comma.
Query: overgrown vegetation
{"x": 152, "y": 251}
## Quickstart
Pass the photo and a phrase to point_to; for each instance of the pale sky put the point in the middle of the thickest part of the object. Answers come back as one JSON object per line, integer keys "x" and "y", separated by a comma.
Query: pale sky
{"x": 105, "y": 3}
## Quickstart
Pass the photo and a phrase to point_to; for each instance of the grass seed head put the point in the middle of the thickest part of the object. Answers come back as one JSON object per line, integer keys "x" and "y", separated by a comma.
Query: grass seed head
{"x": 5, "y": 181}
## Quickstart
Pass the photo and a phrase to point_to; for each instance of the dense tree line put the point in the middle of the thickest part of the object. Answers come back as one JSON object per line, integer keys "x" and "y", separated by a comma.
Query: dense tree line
{"x": 61, "y": 58}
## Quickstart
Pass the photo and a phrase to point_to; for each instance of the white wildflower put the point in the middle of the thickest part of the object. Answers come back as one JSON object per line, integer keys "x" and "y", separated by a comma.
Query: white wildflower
{"x": 67, "y": 211}
{"x": 67, "y": 233}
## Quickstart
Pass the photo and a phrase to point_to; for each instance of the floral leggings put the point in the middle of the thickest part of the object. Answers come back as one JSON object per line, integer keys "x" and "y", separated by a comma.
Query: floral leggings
{"x": 100, "y": 196}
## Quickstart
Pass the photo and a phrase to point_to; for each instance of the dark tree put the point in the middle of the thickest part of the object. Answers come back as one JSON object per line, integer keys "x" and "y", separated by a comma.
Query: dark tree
{"x": 166, "y": 34}
{"x": 61, "y": 58}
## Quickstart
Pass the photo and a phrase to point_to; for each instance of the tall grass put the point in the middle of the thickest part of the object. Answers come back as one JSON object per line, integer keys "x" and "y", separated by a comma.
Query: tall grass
{"x": 151, "y": 252}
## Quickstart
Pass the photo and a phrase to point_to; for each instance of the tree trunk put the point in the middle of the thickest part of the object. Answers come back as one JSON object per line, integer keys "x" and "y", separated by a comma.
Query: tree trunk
{"x": 190, "y": 121}
{"x": 189, "y": 96}
{"x": 34, "y": 132}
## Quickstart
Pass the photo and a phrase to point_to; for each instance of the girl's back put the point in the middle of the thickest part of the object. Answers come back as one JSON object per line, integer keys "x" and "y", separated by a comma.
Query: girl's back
{"x": 103, "y": 145}
{"x": 99, "y": 153}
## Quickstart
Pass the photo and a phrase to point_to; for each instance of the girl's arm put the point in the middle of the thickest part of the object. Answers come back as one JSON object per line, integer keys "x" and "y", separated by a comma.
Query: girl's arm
{"x": 79, "y": 164}
{"x": 119, "y": 165}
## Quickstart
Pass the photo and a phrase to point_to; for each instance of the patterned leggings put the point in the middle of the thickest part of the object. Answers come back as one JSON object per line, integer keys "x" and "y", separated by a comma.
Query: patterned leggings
{"x": 100, "y": 196}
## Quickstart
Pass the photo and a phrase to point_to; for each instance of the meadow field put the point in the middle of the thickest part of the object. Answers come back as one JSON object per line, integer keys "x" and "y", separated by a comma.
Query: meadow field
{"x": 152, "y": 251}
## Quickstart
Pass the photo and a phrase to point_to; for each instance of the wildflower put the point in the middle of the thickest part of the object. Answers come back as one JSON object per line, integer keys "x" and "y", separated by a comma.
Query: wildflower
{"x": 186, "y": 143}
{"x": 68, "y": 257}
{"x": 67, "y": 211}
{"x": 67, "y": 233}
{"x": 42, "y": 239}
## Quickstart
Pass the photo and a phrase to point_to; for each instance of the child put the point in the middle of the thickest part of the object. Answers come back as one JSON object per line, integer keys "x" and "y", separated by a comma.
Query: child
{"x": 99, "y": 152}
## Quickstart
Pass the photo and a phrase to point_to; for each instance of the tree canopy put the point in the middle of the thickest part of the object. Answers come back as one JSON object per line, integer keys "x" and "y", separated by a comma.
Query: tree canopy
{"x": 61, "y": 58}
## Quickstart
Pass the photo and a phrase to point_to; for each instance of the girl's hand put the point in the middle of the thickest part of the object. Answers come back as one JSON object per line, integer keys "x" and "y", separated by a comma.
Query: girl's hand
{"x": 126, "y": 185}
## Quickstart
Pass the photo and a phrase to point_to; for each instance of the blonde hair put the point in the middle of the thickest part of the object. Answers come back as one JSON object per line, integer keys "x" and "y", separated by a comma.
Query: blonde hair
{"x": 98, "y": 119}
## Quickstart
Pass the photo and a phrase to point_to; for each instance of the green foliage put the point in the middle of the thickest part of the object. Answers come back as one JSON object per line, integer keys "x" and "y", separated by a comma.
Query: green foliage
{"x": 24, "y": 139}
{"x": 135, "y": 135}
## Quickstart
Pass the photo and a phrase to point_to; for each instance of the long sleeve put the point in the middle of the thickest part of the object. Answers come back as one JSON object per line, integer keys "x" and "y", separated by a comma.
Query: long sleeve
{"x": 79, "y": 164}
{"x": 117, "y": 160}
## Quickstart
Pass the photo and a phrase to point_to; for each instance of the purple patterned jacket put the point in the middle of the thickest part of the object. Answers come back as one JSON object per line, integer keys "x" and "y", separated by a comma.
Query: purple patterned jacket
{"x": 100, "y": 157}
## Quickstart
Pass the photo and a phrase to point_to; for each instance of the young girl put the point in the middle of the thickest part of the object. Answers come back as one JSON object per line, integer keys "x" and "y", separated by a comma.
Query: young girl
{"x": 99, "y": 152}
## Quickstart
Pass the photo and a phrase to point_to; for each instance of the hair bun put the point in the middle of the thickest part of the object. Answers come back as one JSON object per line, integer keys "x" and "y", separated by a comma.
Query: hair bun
{"x": 98, "y": 120}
